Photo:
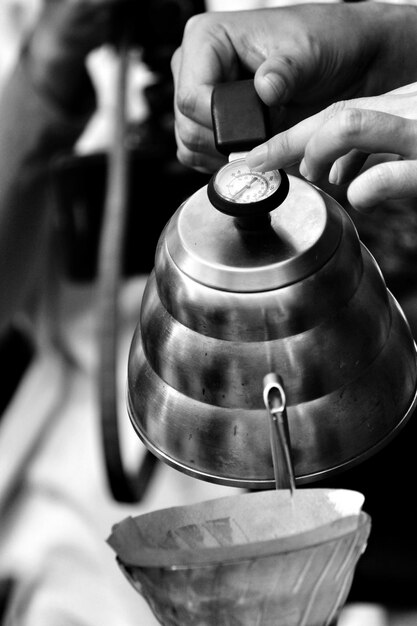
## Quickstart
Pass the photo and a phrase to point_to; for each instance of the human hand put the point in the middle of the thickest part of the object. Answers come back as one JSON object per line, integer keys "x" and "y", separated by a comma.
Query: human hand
{"x": 303, "y": 57}
{"x": 338, "y": 141}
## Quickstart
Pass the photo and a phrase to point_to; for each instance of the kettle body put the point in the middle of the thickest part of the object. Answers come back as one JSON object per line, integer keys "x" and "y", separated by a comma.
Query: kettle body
{"x": 300, "y": 296}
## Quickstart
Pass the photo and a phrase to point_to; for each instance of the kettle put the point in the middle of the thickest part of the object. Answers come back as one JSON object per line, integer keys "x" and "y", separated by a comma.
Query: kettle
{"x": 236, "y": 295}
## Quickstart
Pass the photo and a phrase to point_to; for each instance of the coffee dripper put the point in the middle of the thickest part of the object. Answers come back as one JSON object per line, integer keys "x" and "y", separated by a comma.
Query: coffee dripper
{"x": 259, "y": 273}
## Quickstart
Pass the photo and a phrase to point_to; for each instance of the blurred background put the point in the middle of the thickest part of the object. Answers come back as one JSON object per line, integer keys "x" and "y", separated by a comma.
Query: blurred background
{"x": 55, "y": 507}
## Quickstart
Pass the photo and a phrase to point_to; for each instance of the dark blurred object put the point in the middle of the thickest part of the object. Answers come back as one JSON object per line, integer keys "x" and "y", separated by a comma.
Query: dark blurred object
{"x": 156, "y": 27}
{"x": 387, "y": 572}
{"x": 113, "y": 206}
{"x": 7, "y": 586}
{"x": 16, "y": 353}
{"x": 157, "y": 186}
{"x": 157, "y": 182}
{"x": 390, "y": 234}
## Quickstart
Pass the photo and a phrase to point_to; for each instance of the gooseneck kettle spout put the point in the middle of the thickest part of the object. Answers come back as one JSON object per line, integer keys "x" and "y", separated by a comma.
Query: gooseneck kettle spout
{"x": 275, "y": 404}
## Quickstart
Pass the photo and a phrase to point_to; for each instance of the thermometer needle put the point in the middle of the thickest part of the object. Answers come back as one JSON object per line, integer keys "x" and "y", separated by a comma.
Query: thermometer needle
{"x": 249, "y": 184}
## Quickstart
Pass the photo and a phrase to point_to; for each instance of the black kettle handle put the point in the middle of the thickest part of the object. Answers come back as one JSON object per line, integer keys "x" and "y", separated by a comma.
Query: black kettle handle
{"x": 241, "y": 120}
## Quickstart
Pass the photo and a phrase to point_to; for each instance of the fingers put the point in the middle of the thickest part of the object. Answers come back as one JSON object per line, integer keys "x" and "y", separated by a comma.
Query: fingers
{"x": 347, "y": 167}
{"x": 292, "y": 65}
{"x": 217, "y": 49}
{"x": 337, "y": 139}
{"x": 205, "y": 58}
{"x": 276, "y": 78}
{"x": 357, "y": 129}
{"x": 193, "y": 81}
{"x": 387, "y": 181}
{"x": 195, "y": 140}
{"x": 342, "y": 137}
{"x": 286, "y": 148}
{"x": 286, "y": 70}
{"x": 191, "y": 100}
{"x": 195, "y": 147}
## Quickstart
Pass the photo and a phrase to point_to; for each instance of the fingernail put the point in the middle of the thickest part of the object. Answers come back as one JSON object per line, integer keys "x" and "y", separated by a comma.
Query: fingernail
{"x": 277, "y": 84}
{"x": 334, "y": 174}
{"x": 303, "y": 169}
{"x": 257, "y": 157}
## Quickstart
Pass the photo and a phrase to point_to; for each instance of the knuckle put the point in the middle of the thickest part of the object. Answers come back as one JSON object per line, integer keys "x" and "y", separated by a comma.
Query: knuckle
{"x": 186, "y": 102}
{"x": 188, "y": 158}
{"x": 412, "y": 139}
{"x": 195, "y": 24}
{"x": 190, "y": 137}
{"x": 191, "y": 31}
{"x": 335, "y": 109}
{"x": 175, "y": 59}
{"x": 350, "y": 122}
{"x": 292, "y": 65}
{"x": 380, "y": 178}
{"x": 184, "y": 156}
{"x": 279, "y": 145}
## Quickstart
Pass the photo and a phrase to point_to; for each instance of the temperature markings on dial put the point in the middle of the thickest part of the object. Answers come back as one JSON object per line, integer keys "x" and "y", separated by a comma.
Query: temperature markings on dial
{"x": 235, "y": 182}
{"x": 238, "y": 191}
{"x": 249, "y": 186}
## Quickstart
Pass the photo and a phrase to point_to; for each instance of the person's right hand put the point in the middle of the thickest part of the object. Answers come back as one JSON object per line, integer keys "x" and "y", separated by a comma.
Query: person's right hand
{"x": 370, "y": 143}
{"x": 304, "y": 57}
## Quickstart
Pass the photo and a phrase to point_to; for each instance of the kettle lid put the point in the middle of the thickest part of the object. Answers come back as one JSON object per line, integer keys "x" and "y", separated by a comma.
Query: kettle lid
{"x": 216, "y": 250}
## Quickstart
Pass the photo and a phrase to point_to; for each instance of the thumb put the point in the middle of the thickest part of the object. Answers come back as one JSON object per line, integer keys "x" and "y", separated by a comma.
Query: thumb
{"x": 277, "y": 78}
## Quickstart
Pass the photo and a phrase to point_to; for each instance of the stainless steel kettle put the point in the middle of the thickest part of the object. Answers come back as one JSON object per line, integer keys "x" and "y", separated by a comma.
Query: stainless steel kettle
{"x": 229, "y": 301}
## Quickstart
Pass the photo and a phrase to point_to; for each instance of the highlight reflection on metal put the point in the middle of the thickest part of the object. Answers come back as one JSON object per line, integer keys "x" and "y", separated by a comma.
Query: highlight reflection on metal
{"x": 275, "y": 403}
{"x": 226, "y": 306}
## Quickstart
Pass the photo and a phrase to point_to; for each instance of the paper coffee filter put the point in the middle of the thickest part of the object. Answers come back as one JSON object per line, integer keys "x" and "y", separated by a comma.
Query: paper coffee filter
{"x": 267, "y": 558}
{"x": 236, "y": 526}
{"x": 345, "y": 501}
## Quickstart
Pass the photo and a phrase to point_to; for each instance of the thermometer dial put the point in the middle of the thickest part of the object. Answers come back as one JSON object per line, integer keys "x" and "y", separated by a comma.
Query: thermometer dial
{"x": 237, "y": 190}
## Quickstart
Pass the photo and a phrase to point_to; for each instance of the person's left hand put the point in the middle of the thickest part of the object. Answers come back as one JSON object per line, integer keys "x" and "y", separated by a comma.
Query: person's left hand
{"x": 339, "y": 140}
